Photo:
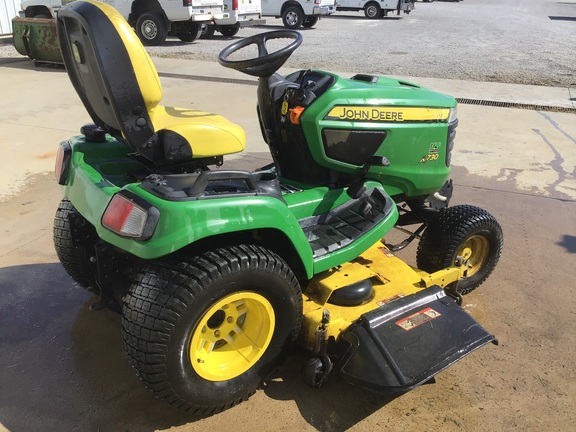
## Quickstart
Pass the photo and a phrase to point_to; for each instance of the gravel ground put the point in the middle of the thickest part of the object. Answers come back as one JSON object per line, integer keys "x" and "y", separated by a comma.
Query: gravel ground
{"x": 511, "y": 41}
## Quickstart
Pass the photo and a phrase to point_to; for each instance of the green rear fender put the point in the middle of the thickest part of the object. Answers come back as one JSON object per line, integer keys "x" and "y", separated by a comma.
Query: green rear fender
{"x": 185, "y": 222}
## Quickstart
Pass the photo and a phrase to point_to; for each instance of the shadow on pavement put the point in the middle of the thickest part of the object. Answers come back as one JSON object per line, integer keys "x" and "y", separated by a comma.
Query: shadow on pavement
{"x": 63, "y": 366}
{"x": 335, "y": 407}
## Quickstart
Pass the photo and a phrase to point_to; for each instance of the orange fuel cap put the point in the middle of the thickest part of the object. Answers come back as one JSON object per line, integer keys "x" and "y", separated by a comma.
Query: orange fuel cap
{"x": 295, "y": 114}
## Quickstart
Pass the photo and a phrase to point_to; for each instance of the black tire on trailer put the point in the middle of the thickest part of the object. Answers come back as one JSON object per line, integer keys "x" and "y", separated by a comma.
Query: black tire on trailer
{"x": 151, "y": 29}
{"x": 293, "y": 17}
{"x": 229, "y": 31}
{"x": 194, "y": 32}
{"x": 466, "y": 231}
{"x": 310, "y": 21}
{"x": 204, "y": 333}
{"x": 75, "y": 259}
{"x": 372, "y": 10}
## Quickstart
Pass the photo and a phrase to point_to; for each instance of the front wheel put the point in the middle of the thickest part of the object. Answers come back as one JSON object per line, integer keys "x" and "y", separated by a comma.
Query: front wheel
{"x": 465, "y": 233}
{"x": 151, "y": 29}
{"x": 207, "y": 31}
{"x": 204, "y": 333}
{"x": 193, "y": 33}
{"x": 293, "y": 17}
{"x": 310, "y": 21}
{"x": 229, "y": 31}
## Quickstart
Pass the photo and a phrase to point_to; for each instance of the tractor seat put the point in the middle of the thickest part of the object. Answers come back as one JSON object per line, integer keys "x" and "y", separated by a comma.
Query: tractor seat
{"x": 119, "y": 86}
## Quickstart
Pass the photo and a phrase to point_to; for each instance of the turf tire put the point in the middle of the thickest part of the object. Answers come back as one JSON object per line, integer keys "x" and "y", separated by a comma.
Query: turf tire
{"x": 74, "y": 259}
{"x": 168, "y": 303}
{"x": 444, "y": 239}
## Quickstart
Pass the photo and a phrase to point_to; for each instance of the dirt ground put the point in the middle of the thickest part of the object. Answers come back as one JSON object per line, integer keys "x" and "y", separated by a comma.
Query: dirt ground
{"x": 63, "y": 367}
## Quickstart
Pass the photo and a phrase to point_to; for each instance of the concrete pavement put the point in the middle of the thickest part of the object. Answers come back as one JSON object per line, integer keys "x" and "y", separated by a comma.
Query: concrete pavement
{"x": 535, "y": 149}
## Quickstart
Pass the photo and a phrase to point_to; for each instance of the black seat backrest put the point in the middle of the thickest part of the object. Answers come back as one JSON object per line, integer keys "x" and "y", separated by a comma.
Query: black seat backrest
{"x": 111, "y": 72}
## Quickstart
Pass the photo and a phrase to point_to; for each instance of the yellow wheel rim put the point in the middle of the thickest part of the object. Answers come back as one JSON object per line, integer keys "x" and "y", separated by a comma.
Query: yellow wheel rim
{"x": 232, "y": 336}
{"x": 474, "y": 253}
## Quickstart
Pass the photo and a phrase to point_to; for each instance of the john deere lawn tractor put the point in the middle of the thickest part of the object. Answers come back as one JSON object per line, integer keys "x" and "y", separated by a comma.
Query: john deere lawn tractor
{"x": 217, "y": 271}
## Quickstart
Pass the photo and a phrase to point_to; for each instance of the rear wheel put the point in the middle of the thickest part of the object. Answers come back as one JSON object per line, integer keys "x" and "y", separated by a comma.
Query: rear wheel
{"x": 310, "y": 21}
{"x": 194, "y": 32}
{"x": 372, "y": 10}
{"x": 74, "y": 258}
{"x": 205, "y": 333}
{"x": 462, "y": 231}
{"x": 293, "y": 17}
{"x": 151, "y": 29}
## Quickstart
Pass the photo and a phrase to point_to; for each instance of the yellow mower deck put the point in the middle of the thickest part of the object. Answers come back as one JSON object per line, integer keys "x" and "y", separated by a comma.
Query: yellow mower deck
{"x": 391, "y": 279}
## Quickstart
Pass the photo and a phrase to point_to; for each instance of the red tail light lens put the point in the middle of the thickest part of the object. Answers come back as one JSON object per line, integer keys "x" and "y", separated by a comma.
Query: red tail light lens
{"x": 234, "y": 4}
{"x": 186, "y": 3}
{"x": 130, "y": 216}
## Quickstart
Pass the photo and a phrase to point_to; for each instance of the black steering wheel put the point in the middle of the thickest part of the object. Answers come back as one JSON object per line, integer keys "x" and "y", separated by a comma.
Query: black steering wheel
{"x": 266, "y": 63}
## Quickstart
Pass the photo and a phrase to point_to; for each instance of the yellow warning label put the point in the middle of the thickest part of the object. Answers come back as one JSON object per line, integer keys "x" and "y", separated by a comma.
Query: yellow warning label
{"x": 387, "y": 114}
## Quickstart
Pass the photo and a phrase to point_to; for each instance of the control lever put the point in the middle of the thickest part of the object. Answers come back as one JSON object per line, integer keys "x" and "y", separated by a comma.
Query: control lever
{"x": 357, "y": 191}
{"x": 357, "y": 188}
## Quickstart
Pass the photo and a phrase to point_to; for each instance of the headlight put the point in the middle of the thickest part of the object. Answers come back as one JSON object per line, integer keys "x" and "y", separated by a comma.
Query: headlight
{"x": 453, "y": 116}
{"x": 452, "y": 124}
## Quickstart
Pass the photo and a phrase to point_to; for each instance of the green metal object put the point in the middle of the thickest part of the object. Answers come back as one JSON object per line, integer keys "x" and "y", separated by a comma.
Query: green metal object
{"x": 416, "y": 149}
{"x": 98, "y": 171}
{"x": 37, "y": 39}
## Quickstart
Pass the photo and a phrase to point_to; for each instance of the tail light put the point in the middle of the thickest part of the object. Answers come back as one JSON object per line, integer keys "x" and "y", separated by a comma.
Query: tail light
{"x": 234, "y": 4}
{"x": 317, "y": 1}
{"x": 62, "y": 164}
{"x": 186, "y": 3}
{"x": 130, "y": 216}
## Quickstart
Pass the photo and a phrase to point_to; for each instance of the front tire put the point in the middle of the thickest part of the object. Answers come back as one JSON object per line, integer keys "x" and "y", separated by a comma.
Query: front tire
{"x": 203, "y": 334}
{"x": 194, "y": 32}
{"x": 207, "y": 31}
{"x": 151, "y": 29}
{"x": 310, "y": 21}
{"x": 229, "y": 31}
{"x": 293, "y": 17}
{"x": 462, "y": 231}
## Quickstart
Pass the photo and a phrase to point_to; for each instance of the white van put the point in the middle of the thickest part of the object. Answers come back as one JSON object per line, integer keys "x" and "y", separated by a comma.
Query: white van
{"x": 153, "y": 20}
{"x": 296, "y": 13}
{"x": 241, "y": 13}
{"x": 375, "y": 8}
